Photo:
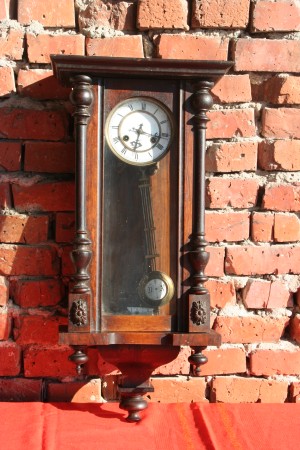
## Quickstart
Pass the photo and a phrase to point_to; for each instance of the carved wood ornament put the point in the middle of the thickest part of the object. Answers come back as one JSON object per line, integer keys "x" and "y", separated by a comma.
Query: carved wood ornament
{"x": 138, "y": 291}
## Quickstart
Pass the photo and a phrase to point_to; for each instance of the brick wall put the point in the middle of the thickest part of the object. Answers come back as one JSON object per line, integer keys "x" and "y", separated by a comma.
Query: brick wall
{"x": 253, "y": 191}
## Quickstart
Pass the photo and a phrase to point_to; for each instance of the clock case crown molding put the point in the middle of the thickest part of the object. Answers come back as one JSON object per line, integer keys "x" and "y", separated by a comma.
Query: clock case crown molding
{"x": 139, "y": 345}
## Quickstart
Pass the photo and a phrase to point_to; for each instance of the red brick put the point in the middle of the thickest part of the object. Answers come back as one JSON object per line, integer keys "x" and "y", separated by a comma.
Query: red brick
{"x": 286, "y": 228}
{"x": 269, "y": 362}
{"x": 5, "y": 196}
{"x": 65, "y": 227}
{"x": 281, "y": 90}
{"x": 178, "y": 366}
{"x": 108, "y": 14}
{"x": 231, "y": 157}
{"x": 60, "y": 14}
{"x": 233, "y": 89}
{"x": 76, "y": 391}
{"x": 250, "y": 329}
{"x": 23, "y": 229}
{"x": 295, "y": 391}
{"x": 10, "y": 359}
{"x": 25, "y": 260}
{"x": 48, "y": 196}
{"x": 42, "y": 46}
{"x": 4, "y": 291}
{"x": 260, "y": 260}
{"x": 282, "y": 197}
{"x": 36, "y": 330}
{"x": 224, "y": 361}
{"x": 215, "y": 266}
{"x": 5, "y": 326}
{"x": 267, "y": 55}
{"x": 48, "y": 361}
{"x": 67, "y": 266}
{"x": 49, "y": 157}
{"x": 266, "y": 294}
{"x": 4, "y": 12}
{"x": 20, "y": 123}
{"x": 234, "y": 192}
{"x": 41, "y": 85}
{"x": 279, "y": 155}
{"x": 179, "y": 389}
{"x": 281, "y": 122}
{"x": 7, "y": 81}
{"x": 276, "y": 16}
{"x": 35, "y": 293}
{"x": 248, "y": 390}
{"x": 11, "y": 44}
{"x": 262, "y": 225}
{"x": 229, "y": 123}
{"x": 227, "y": 226}
{"x": 221, "y": 292}
{"x": 20, "y": 390}
{"x": 220, "y": 14}
{"x": 129, "y": 46}
{"x": 295, "y": 328}
{"x": 188, "y": 46}
{"x": 10, "y": 156}
{"x": 162, "y": 14}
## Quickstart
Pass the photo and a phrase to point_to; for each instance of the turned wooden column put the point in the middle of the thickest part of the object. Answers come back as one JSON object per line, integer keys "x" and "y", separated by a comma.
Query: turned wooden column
{"x": 198, "y": 297}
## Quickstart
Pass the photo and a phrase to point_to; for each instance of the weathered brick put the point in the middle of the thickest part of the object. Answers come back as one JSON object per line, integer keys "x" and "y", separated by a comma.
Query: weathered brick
{"x": 282, "y": 197}
{"x": 295, "y": 391}
{"x": 268, "y": 362}
{"x": 129, "y": 46}
{"x": 248, "y": 390}
{"x": 5, "y": 326}
{"x": 276, "y": 16}
{"x": 283, "y": 155}
{"x": 221, "y": 292}
{"x": 10, "y": 156}
{"x": 215, "y": 266}
{"x": 179, "y": 389}
{"x": 220, "y": 14}
{"x": 20, "y": 123}
{"x": 179, "y": 366}
{"x": 35, "y": 293}
{"x": 20, "y": 390}
{"x": 238, "y": 193}
{"x": 262, "y": 225}
{"x": 280, "y": 295}
{"x": 67, "y": 266}
{"x": 11, "y": 44}
{"x": 76, "y": 391}
{"x": 120, "y": 15}
{"x": 188, "y": 46}
{"x": 286, "y": 228}
{"x": 7, "y": 81}
{"x": 5, "y": 196}
{"x": 23, "y": 229}
{"x": 41, "y": 85}
{"x": 281, "y": 123}
{"x": 280, "y": 90}
{"x": 231, "y": 157}
{"x": 49, "y": 157}
{"x": 48, "y": 361}
{"x": 48, "y": 196}
{"x": 224, "y": 361}
{"x": 65, "y": 227}
{"x": 250, "y": 329}
{"x": 227, "y": 226}
{"x": 229, "y": 123}
{"x": 25, "y": 260}
{"x": 162, "y": 15}
{"x": 36, "y": 330}
{"x": 60, "y": 14}
{"x": 40, "y": 47}
{"x": 263, "y": 259}
{"x": 10, "y": 359}
{"x": 4, "y": 12}
{"x": 4, "y": 291}
{"x": 260, "y": 294}
{"x": 267, "y": 55}
{"x": 233, "y": 89}
{"x": 295, "y": 328}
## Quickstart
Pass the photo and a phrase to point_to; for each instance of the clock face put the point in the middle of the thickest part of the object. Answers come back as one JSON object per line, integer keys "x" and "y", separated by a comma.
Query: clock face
{"x": 139, "y": 130}
{"x": 156, "y": 288}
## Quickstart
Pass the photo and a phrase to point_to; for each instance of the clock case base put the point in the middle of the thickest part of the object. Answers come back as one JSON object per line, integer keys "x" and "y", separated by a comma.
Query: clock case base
{"x": 137, "y": 353}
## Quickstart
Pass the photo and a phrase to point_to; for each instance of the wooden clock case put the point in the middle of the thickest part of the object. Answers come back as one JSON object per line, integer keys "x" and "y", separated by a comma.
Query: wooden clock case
{"x": 139, "y": 343}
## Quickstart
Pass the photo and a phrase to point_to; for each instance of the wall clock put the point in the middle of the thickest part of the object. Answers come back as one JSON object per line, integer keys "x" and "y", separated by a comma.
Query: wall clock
{"x": 139, "y": 292}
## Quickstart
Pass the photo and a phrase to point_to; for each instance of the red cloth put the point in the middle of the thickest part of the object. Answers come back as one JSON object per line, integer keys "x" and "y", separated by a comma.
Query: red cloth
{"x": 180, "y": 426}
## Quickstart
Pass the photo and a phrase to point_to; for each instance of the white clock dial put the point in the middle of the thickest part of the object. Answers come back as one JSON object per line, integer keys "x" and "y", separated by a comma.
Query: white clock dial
{"x": 139, "y": 130}
{"x": 156, "y": 289}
